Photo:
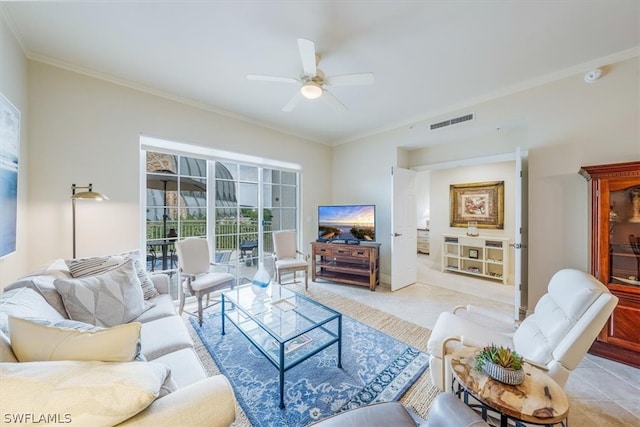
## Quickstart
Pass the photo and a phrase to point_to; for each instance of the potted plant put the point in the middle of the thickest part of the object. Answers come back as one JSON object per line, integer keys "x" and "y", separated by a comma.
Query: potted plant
{"x": 501, "y": 364}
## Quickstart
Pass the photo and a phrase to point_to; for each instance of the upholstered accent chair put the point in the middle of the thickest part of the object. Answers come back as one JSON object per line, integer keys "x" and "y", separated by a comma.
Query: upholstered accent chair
{"x": 554, "y": 338}
{"x": 194, "y": 265}
{"x": 287, "y": 258}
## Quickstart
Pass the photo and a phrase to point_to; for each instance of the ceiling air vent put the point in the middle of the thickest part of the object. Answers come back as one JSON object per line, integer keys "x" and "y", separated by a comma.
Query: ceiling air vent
{"x": 450, "y": 122}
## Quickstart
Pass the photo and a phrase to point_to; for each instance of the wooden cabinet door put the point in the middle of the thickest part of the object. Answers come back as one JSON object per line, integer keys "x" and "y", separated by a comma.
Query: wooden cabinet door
{"x": 615, "y": 224}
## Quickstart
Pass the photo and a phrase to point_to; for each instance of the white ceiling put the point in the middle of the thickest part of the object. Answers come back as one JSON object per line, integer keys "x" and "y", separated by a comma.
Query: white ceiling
{"x": 427, "y": 56}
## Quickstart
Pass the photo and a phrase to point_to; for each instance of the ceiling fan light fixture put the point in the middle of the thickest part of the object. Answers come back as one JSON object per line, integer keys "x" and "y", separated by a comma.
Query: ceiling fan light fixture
{"x": 311, "y": 90}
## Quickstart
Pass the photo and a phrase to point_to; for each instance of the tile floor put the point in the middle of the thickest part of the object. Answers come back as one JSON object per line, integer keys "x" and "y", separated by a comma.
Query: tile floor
{"x": 601, "y": 392}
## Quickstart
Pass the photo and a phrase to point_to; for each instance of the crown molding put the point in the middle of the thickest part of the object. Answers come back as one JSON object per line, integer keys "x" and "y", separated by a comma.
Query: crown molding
{"x": 13, "y": 28}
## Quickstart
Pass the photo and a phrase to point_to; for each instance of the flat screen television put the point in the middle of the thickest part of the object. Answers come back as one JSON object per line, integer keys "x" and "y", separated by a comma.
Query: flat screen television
{"x": 347, "y": 222}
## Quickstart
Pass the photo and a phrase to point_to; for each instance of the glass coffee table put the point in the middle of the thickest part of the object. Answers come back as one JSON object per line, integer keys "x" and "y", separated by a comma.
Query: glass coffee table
{"x": 286, "y": 327}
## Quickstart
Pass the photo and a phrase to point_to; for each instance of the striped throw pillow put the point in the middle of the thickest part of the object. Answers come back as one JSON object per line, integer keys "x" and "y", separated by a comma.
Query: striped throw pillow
{"x": 84, "y": 267}
{"x": 148, "y": 289}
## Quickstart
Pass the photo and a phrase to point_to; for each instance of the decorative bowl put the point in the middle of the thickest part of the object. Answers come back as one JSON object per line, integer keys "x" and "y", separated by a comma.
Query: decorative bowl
{"x": 502, "y": 374}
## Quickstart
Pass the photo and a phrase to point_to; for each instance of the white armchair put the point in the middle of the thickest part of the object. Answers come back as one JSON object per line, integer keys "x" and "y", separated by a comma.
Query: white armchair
{"x": 194, "y": 263}
{"x": 555, "y": 338}
{"x": 287, "y": 258}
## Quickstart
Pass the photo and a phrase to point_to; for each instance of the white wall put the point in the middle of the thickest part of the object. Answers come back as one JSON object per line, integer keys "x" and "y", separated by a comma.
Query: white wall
{"x": 13, "y": 84}
{"x": 569, "y": 124}
{"x": 362, "y": 175}
{"x": 85, "y": 130}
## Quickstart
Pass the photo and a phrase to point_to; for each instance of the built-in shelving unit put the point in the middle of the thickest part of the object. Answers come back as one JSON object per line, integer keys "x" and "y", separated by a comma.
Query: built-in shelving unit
{"x": 486, "y": 257}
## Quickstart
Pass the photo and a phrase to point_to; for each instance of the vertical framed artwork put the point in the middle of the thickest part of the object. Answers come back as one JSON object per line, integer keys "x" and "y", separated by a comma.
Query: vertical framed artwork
{"x": 481, "y": 202}
{"x": 9, "y": 163}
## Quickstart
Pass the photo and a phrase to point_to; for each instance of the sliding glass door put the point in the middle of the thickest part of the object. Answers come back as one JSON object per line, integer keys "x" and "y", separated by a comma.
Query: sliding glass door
{"x": 236, "y": 206}
{"x": 236, "y": 223}
{"x": 176, "y": 207}
{"x": 280, "y": 205}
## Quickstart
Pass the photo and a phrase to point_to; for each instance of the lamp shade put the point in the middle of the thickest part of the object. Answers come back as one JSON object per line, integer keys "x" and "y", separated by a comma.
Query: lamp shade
{"x": 89, "y": 195}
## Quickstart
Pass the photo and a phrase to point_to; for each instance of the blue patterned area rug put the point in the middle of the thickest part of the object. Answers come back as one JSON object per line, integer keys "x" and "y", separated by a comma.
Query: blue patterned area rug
{"x": 375, "y": 368}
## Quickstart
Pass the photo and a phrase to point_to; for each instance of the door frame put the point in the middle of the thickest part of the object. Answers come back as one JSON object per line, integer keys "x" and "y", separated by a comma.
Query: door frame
{"x": 521, "y": 300}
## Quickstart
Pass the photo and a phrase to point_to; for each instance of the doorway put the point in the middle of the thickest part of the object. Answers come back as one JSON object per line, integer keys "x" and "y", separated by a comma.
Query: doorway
{"x": 432, "y": 184}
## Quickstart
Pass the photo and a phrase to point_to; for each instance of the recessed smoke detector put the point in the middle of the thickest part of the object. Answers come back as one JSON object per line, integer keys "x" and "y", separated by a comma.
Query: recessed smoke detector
{"x": 593, "y": 75}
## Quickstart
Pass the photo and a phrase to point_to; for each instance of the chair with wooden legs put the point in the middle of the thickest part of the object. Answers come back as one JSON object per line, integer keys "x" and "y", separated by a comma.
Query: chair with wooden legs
{"x": 194, "y": 265}
{"x": 287, "y": 258}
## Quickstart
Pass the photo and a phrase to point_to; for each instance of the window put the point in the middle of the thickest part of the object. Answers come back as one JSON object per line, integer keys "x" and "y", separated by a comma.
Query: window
{"x": 249, "y": 201}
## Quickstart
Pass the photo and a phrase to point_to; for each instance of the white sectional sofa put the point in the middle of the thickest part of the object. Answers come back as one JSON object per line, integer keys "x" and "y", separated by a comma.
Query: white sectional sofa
{"x": 166, "y": 361}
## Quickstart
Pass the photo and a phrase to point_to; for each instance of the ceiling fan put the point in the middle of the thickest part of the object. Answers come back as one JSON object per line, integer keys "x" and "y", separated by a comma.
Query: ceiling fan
{"x": 313, "y": 82}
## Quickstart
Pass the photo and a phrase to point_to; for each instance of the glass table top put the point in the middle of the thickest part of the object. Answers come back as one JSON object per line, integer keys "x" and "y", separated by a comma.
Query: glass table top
{"x": 283, "y": 312}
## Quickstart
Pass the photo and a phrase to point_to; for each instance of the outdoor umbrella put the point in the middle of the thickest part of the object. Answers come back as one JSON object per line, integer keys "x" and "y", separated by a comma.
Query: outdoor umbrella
{"x": 166, "y": 180}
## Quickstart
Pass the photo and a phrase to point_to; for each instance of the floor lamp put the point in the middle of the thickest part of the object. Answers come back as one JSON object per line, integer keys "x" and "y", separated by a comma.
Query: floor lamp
{"x": 89, "y": 194}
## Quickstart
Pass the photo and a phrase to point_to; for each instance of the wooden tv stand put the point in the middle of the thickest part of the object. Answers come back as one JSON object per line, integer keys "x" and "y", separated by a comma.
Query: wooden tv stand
{"x": 353, "y": 264}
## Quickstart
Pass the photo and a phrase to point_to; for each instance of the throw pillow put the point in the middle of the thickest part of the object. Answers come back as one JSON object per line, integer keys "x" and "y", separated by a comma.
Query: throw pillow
{"x": 57, "y": 268}
{"x": 148, "y": 290}
{"x": 107, "y": 299}
{"x": 34, "y": 341}
{"x": 6, "y": 353}
{"x": 44, "y": 286}
{"x": 79, "y": 393}
{"x": 83, "y": 327}
{"x": 24, "y": 302}
{"x": 83, "y": 267}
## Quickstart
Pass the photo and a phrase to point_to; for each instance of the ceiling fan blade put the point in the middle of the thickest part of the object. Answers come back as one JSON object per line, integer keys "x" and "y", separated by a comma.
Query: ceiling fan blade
{"x": 333, "y": 102}
{"x": 308, "y": 57}
{"x": 351, "y": 79}
{"x": 292, "y": 102}
{"x": 279, "y": 79}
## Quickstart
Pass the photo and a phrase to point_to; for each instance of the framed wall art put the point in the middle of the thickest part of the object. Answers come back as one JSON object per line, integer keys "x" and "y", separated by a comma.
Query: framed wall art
{"x": 480, "y": 202}
{"x": 9, "y": 153}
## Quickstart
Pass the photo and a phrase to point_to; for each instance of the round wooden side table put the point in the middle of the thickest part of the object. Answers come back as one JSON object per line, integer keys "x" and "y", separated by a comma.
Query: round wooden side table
{"x": 539, "y": 400}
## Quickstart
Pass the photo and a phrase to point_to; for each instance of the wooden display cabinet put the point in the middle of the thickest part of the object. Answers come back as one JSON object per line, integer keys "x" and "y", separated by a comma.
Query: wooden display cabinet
{"x": 353, "y": 264}
{"x": 615, "y": 255}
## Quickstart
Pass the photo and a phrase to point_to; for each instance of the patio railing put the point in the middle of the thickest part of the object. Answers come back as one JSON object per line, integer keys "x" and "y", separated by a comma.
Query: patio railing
{"x": 228, "y": 234}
